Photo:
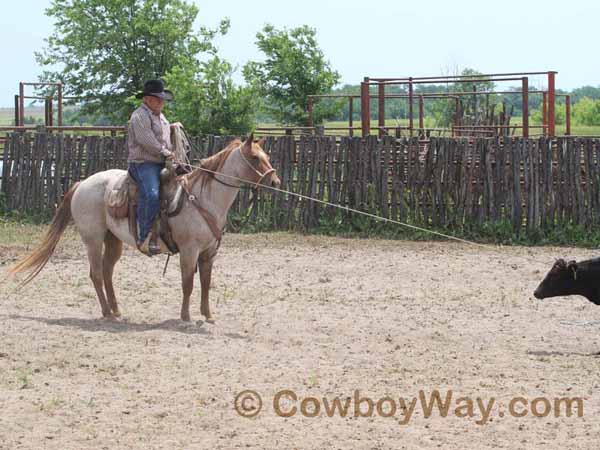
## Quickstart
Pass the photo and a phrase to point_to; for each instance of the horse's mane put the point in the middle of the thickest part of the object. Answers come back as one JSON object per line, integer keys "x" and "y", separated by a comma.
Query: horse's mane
{"x": 214, "y": 163}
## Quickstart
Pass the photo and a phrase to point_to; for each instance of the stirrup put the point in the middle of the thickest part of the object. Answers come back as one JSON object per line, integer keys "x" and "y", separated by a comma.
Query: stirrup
{"x": 149, "y": 247}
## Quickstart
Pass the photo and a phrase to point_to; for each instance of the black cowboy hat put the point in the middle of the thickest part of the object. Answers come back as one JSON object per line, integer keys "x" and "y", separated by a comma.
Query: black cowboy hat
{"x": 156, "y": 88}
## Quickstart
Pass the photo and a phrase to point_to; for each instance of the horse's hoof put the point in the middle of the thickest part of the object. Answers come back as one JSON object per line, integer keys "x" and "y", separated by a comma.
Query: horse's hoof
{"x": 185, "y": 317}
{"x": 116, "y": 313}
{"x": 210, "y": 320}
{"x": 110, "y": 318}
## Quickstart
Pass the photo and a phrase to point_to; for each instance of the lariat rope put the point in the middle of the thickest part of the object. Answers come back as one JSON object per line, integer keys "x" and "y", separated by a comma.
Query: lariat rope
{"x": 373, "y": 216}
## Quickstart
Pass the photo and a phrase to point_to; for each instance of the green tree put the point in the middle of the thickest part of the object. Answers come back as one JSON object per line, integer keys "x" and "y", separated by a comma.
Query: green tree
{"x": 207, "y": 100}
{"x": 31, "y": 120}
{"x": 294, "y": 68}
{"x": 560, "y": 116}
{"x": 515, "y": 101}
{"x": 106, "y": 49}
{"x": 585, "y": 91}
{"x": 444, "y": 110}
{"x": 587, "y": 112}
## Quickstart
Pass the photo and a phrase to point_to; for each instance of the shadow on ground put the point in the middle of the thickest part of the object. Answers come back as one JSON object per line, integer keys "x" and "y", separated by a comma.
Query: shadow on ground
{"x": 119, "y": 326}
{"x": 559, "y": 353}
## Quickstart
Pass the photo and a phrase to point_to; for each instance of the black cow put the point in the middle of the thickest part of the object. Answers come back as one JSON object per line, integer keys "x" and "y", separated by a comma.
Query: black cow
{"x": 572, "y": 278}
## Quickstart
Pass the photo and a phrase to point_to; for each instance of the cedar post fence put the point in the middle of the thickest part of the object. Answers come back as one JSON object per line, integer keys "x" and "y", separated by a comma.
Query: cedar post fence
{"x": 453, "y": 182}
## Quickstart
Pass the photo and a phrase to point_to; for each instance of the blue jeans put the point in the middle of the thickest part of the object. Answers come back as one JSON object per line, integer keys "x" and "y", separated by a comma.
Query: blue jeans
{"x": 147, "y": 177}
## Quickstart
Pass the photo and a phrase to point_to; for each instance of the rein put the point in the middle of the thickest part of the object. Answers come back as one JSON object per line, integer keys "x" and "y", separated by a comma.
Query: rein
{"x": 208, "y": 217}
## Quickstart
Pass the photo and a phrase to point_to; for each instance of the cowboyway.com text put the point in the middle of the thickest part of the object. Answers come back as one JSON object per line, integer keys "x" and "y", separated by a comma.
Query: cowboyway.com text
{"x": 288, "y": 403}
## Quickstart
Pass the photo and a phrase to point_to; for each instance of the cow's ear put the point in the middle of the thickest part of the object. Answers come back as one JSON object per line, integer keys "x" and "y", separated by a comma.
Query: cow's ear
{"x": 572, "y": 267}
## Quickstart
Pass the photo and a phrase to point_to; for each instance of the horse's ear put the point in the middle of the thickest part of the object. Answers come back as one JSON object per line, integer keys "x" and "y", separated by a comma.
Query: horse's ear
{"x": 248, "y": 142}
{"x": 261, "y": 142}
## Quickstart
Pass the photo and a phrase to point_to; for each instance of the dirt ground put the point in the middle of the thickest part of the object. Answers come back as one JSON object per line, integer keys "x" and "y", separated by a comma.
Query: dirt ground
{"x": 322, "y": 317}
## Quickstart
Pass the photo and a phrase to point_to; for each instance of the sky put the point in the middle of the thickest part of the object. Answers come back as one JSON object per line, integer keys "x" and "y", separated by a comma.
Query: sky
{"x": 378, "y": 39}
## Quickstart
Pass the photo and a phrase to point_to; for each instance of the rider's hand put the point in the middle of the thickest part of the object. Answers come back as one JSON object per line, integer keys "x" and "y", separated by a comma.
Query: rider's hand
{"x": 166, "y": 153}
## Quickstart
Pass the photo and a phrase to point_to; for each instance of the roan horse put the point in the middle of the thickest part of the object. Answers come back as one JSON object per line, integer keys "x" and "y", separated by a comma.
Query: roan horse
{"x": 85, "y": 203}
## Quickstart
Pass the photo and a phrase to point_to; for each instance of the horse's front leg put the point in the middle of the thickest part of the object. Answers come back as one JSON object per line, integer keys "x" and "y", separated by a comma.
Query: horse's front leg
{"x": 205, "y": 275}
{"x": 188, "y": 260}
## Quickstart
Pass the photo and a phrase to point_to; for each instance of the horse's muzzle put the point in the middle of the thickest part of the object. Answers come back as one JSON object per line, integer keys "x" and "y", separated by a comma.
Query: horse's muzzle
{"x": 275, "y": 181}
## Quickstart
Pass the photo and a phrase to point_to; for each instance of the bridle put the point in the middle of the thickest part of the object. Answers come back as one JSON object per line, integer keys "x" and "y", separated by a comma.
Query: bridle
{"x": 261, "y": 176}
{"x": 256, "y": 184}
{"x": 183, "y": 182}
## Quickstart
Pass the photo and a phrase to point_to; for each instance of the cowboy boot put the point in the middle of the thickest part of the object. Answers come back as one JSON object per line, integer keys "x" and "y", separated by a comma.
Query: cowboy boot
{"x": 144, "y": 246}
{"x": 149, "y": 247}
{"x": 153, "y": 246}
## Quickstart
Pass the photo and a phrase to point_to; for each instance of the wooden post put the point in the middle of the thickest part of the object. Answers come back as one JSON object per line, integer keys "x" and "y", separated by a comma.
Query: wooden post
{"x": 525, "y": 95}
{"x": 545, "y": 113}
{"x": 457, "y": 112}
{"x": 309, "y": 108}
{"x": 50, "y": 112}
{"x": 475, "y": 109}
{"x": 59, "y": 108}
{"x": 21, "y": 104}
{"x": 350, "y": 114}
{"x": 421, "y": 114}
{"x": 381, "y": 109}
{"x": 568, "y": 115}
{"x": 551, "y": 104}
{"x": 410, "y": 105}
{"x": 17, "y": 115}
{"x": 365, "y": 110}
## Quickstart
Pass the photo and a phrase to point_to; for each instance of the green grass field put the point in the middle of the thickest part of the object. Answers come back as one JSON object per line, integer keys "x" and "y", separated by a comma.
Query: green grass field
{"x": 576, "y": 130}
{"x": 37, "y": 112}
{"x": 7, "y": 115}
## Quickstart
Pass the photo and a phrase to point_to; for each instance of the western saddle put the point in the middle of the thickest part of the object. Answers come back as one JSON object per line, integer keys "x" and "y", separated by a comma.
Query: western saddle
{"x": 123, "y": 199}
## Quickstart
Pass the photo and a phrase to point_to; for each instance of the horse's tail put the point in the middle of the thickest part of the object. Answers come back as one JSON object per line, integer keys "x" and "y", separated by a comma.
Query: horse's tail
{"x": 41, "y": 255}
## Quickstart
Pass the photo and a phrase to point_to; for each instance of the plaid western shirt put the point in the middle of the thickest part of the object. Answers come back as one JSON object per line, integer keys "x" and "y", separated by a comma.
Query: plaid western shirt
{"x": 148, "y": 134}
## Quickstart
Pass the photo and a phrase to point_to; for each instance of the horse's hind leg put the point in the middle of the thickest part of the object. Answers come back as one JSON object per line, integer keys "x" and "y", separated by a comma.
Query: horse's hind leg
{"x": 94, "y": 251}
{"x": 113, "y": 249}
